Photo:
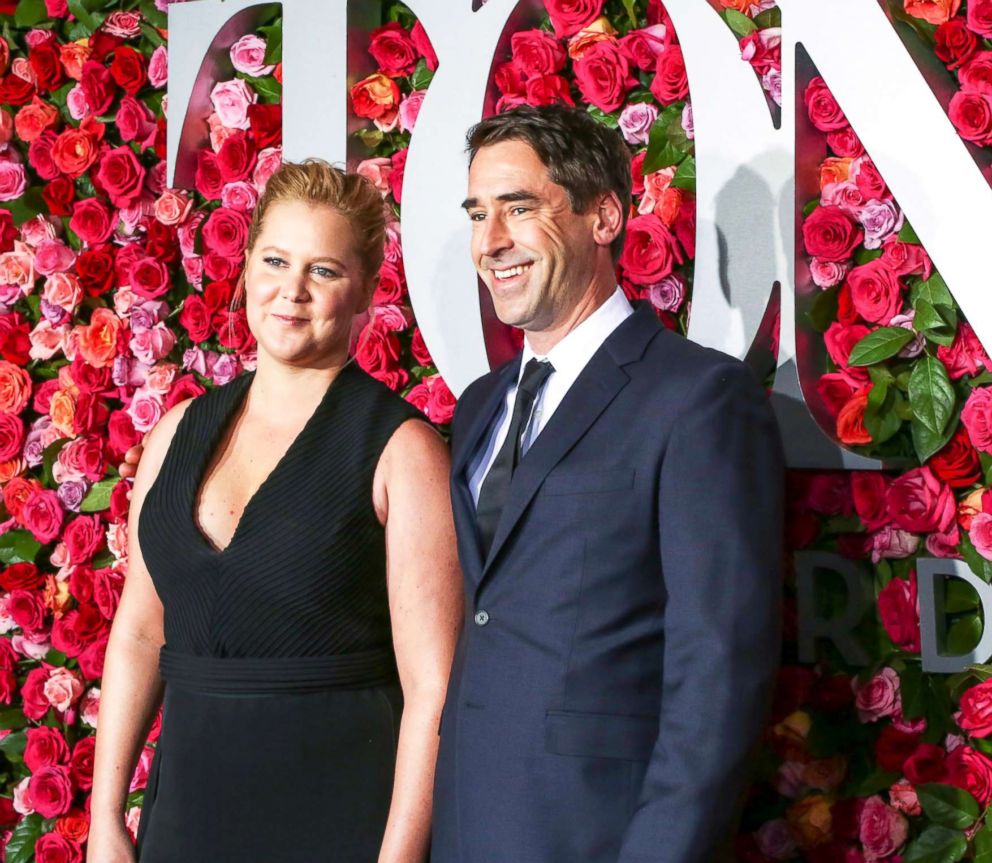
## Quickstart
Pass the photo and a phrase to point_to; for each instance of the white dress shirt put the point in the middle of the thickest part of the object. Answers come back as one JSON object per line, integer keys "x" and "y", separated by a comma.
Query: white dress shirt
{"x": 569, "y": 357}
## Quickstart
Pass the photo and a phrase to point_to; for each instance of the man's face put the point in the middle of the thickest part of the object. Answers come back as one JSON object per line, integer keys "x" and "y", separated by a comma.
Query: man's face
{"x": 535, "y": 254}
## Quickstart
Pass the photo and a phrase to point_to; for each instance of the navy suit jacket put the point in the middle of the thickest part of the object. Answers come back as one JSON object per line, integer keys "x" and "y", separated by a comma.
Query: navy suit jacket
{"x": 622, "y": 633}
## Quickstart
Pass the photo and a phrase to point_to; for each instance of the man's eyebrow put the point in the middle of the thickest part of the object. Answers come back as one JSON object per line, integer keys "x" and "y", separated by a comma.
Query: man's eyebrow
{"x": 506, "y": 198}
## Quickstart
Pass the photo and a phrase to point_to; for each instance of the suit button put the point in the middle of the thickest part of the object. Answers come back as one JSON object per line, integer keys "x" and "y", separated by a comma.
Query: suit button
{"x": 481, "y": 618}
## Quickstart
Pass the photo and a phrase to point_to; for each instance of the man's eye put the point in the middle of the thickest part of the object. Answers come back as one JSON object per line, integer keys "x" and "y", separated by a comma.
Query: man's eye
{"x": 476, "y": 217}
{"x": 518, "y": 210}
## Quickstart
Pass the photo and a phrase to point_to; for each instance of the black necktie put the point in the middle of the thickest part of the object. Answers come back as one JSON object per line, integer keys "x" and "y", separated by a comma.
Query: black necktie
{"x": 496, "y": 485}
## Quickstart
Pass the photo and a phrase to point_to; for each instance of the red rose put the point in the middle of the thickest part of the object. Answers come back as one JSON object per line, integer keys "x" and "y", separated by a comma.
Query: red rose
{"x": 161, "y": 242}
{"x": 398, "y": 160}
{"x": 845, "y": 143}
{"x": 510, "y": 80}
{"x": 102, "y": 43}
{"x": 569, "y": 16}
{"x": 424, "y": 47}
{"x": 537, "y": 53}
{"x": 21, "y": 576}
{"x": 792, "y": 689}
{"x": 236, "y": 157}
{"x": 89, "y": 379}
{"x": 898, "y": 609}
{"x": 91, "y": 659}
{"x": 81, "y": 767}
{"x": 266, "y": 124}
{"x": 972, "y": 771}
{"x": 74, "y": 151}
{"x": 14, "y": 90}
{"x": 83, "y": 537}
{"x": 209, "y": 180}
{"x": 65, "y": 636}
{"x": 391, "y": 289}
{"x": 832, "y": 694}
{"x": 121, "y": 175}
{"x": 11, "y": 436}
{"x": 829, "y": 494}
{"x": 418, "y": 347}
{"x": 603, "y": 75}
{"x": 51, "y": 791}
{"x": 971, "y": 114}
{"x": 150, "y": 278}
{"x": 650, "y": 252}
{"x": 195, "y": 318}
{"x": 46, "y": 67}
{"x": 26, "y": 610}
{"x": 125, "y": 258}
{"x": 840, "y": 340}
{"x": 920, "y": 503}
{"x": 53, "y": 847}
{"x": 926, "y": 764}
{"x": 221, "y": 267}
{"x": 893, "y": 747}
{"x": 232, "y": 330}
{"x": 107, "y": 586}
{"x": 868, "y": 490}
{"x": 831, "y": 234}
{"x": 433, "y": 397}
{"x": 378, "y": 352}
{"x": 869, "y": 181}
{"x": 823, "y": 110}
{"x": 95, "y": 271}
{"x": 93, "y": 221}
{"x": 58, "y": 195}
{"x": 46, "y": 747}
{"x": 851, "y": 419}
{"x": 41, "y": 155}
{"x": 120, "y": 497}
{"x": 376, "y": 98}
{"x": 135, "y": 122}
{"x": 976, "y": 710}
{"x": 128, "y": 70}
{"x": 218, "y": 295}
{"x": 15, "y": 344}
{"x": 955, "y": 43}
{"x": 957, "y": 463}
{"x": 980, "y": 17}
{"x": 33, "y": 693}
{"x": 393, "y": 49}
{"x": 965, "y": 355}
{"x": 671, "y": 83}
{"x": 226, "y": 232}
{"x": 90, "y": 414}
{"x": 81, "y": 583}
{"x": 548, "y": 90}
{"x": 8, "y": 233}
{"x": 42, "y": 515}
{"x": 642, "y": 47}
{"x": 184, "y": 387}
{"x": 876, "y": 291}
{"x": 98, "y": 87}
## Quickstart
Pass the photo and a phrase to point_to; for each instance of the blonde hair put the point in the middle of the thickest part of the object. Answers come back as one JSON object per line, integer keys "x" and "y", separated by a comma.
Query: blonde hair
{"x": 315, "y": 182}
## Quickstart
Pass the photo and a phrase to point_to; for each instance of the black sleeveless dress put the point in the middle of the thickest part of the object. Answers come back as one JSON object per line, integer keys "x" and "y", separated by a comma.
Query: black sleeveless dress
{"x": 281, "y": 708}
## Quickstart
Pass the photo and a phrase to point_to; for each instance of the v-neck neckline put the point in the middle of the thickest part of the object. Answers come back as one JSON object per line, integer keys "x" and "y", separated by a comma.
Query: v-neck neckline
{"x": 237, "y": 405}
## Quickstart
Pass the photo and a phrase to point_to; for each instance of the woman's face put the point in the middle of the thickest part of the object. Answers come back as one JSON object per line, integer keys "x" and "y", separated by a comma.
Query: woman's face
{"x": 304, "y": 282}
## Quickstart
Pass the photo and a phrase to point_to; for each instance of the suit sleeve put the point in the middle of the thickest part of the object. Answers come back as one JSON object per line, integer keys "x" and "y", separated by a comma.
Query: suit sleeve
{"x": 720, "y": 529}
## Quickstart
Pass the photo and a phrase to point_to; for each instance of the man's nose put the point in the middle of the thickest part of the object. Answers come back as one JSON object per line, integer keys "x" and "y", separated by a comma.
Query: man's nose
{"x": 495, "y": 237}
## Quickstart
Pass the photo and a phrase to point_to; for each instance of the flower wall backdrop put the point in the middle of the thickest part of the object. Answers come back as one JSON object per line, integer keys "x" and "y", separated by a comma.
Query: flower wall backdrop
{"x": 115, "y": 303}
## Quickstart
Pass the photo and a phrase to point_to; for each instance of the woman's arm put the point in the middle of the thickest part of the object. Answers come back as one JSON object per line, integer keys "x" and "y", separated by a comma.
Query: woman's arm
{"x": 131, "y": 688}
{"x": 425, "y": 600}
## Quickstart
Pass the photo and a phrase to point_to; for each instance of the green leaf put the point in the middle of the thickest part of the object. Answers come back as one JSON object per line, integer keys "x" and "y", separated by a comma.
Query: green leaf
{"x": 947, "y": 805}
{"x": 933, "y": 290}
{"x": 371, "y": 138}
{"x": 881, "y": 344}
{"x": 152, "y": 35}
{"x": 769, "y": 18}
{"x": 84, "y": 15}
{"x": 983, "y": 845}
{"x": 937, "y": 844}
{"x": 874, "y": 782}
{"x": 269, "y": 89}
{"x": 13, "y": 717}
{"x": 273, "y": 42}
{"x": 823, "y": 311}
{"x": 14, "y": 743}
{"x": 48, "y": 458}
{"x": 98, "y": 498}
{"x": 979, "y": 565}
{"x": 20, "y": 848}
{"x": 667, "y": 143}
{"x": 153, "y": 15}
{"x": 931, "y": 394}
{"x": 964, "y": 634}
{"x": 422, "y": 76}
{"x": 611, "y": 121}
{"x": 685, "y": 176}
{"x": 27, "y": 206}
{"x": 664, "y": 157}
{"x": 912, "y": 690}
{"x": 925, "y": 442}
{"x": 30, "y": 12}
{"x": 18, "y": 546}
{"x": 739, "y": 23}
{"x": 938, "y": 323}
{"x": 959, "y": 596}
{"x": 866, "y": 256}
{"x": 907, "y": 234}
{"x": 56, "y": 657}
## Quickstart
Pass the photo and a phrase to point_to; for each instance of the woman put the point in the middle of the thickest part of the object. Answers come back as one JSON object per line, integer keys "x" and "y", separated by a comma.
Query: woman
{"x": 292, "y": 553}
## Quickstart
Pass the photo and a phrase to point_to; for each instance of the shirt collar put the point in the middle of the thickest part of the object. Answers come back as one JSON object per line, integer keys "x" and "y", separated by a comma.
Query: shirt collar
{"x": 572, "y": 353}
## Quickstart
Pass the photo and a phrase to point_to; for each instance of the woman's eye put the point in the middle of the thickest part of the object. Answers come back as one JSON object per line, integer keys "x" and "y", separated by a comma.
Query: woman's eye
{"x": 323, "y": 272}
{"x": 273, "y": 261}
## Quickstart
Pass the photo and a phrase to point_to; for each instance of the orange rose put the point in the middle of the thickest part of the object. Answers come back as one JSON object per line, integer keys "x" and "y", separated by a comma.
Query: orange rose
{"x": 742, "y": 6}
{"x": 599, "y": 30}
{"x": 15, "y": 388}
{"x": 969, "y": 507}
{"x": 98, "y": 341}
{"x": 12, "y": 468}
{"x": 377, "y": 98}
{"x": 63, "y": 412}
{"x": 788, "y": 737}
{"x": 834, "y": 170}
{"x": 73, "y": 56}
{"x": 34, "y": 118}
{"x": 669, "y": 207}
{"x": 851, "y": 419}
{"x": 74, "y": 825}
{"x": 74, "y": 151}
{"x": 16, "y": 491}
{"x": 932, "y": 11}
{"x": 810, "y": 821}
{"x": 56, "y": 594}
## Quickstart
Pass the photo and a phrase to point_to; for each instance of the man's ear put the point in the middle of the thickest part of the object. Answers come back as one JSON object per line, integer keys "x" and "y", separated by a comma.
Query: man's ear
{"x": 609, "y": 219}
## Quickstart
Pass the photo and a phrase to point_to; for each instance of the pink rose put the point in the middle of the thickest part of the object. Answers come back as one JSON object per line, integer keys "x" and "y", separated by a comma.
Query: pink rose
{"x": 876, "y": 291}
{"x": 13, "y": 180}
{"x": 62, "y": 689}
{"x": 231, "y": 100}
{"x": 266, "y": 164}
{"x": 153, "y": 343}
{"x": 410, "y": 109}
{"x": 172, "y": 206}
{"x": 433, "y": 397}
{"x": 89, "y": 707}
{"x": 902, "y": 796}
{"x": 971, "y": 114}
{"x": 248, "y": 56}
{"x": 136, "y": 123}
{"x": 53, "y": 256}
{"x": 158, "y": 67}
{"x": 893, "y": 543}
{"x": 980, "y": 17}
{"x": 823, "y": 110}
{"x": 976, "y": 709}
{"x": 971, "y": 770}
{"x": 917, "y": 501}
{"x": 145, "y": 409}
{"x": 377, "y": 171}
{"x": 775, "y": 840}
{"x": 63, "y": 290}
{"x": 882, "y": 830}
{"x": 879, "y": 697}
{"x": 980, "y": 534}
{"x": 977, "y": 418}
{"x": 42, "y": 514}
{"x": 51, "y": 791}
{"x": 826, "y": 274}
{"x": 239, "y": 195}
{"x": 899, "y": 611}
{"x": 636, "y": 121}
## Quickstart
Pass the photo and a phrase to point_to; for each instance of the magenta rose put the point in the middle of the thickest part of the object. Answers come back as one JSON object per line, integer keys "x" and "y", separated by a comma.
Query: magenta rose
{"x": 971, "y": 114}
{"x": 882, "y": 829}
{"x": 976, "y": 75}
{"x": 980, "y": 17}
{"x": 378, "y": 353}
{"x": 11, "y": 436}
{"x": 393, "y": 49}
{"x": 42, "y": 514}
{"x": 568, "y": 17}
{"x": 122, "y": 176}
{"x": 51, "y": 791}
{"x": 643, "y": 47}
{"x": 46, "y": 747}
{"x": 537, "y": 52}
{"x": 876, "y": 291}
{"x": 919, "y": 502}
{"x": 83, "y": 537}
{"x": 149, "y": 278}
{"x": 976, "y": 710}
{"x": 13, "y": 180}
{"x": 92, "y": 221}
{"x": 650, "y": 251}
{"x": 26, "y": 610}
{"x": 823, "y": 110}
{"x": 977, "y": 418}
{"x": 226, "y": 232}
{"x": 53, "y": 847}
{"x": 899, "y": 611}
{"x": 603, "y": 75}
{"x": 972, "y": 771}
{"x": 831, "y": 234}
{"x": 671, "y": 82}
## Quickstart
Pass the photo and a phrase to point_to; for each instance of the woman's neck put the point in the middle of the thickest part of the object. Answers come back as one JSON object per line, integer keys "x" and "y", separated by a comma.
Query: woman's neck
{"x": 287, "y": 392}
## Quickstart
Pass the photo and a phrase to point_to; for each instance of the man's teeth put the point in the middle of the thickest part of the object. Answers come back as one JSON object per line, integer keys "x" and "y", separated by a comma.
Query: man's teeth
{"x": 513, "y": 271}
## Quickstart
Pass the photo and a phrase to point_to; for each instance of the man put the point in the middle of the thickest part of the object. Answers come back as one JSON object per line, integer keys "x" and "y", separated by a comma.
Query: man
{"x": 617, "y": 496}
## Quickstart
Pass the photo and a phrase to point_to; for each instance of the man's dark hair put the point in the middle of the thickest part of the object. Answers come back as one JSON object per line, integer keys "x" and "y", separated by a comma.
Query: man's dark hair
{"x": 582, "y": 155}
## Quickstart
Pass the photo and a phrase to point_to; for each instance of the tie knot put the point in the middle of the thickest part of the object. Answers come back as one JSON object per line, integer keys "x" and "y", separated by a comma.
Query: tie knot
{"x": 536, "y": 372}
